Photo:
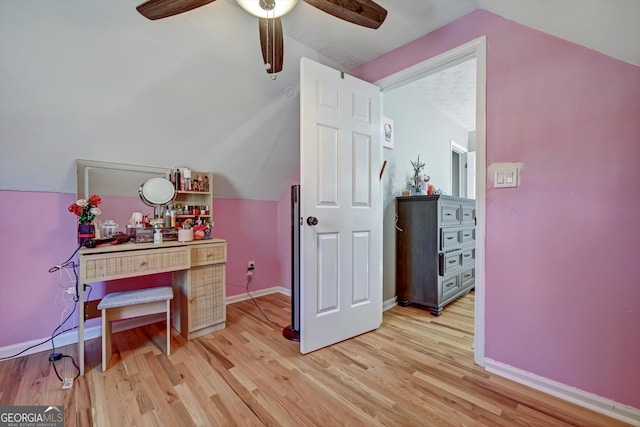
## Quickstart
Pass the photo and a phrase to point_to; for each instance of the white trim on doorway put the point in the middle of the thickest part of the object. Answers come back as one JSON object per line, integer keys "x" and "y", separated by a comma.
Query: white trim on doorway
{"x": 477, "y": 48}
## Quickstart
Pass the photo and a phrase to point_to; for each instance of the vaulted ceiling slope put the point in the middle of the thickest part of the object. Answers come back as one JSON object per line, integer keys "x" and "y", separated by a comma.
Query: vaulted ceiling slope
{"x": 96, "y": 80}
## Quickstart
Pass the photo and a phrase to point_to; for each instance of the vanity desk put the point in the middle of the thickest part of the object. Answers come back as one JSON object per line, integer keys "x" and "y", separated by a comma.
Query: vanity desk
{"x": 198, "y": 280}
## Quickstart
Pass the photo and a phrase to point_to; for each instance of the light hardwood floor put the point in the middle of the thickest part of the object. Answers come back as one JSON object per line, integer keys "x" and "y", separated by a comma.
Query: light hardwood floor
{"x": 416, "y": 370}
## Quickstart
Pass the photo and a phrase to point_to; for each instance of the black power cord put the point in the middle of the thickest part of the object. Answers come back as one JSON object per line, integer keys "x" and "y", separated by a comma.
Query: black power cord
{"x": 249, "y": 280}
{"x": 57, "y": 356}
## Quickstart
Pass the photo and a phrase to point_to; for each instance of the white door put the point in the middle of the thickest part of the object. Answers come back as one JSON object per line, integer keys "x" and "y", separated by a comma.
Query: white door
{"x": 341, "y": 256}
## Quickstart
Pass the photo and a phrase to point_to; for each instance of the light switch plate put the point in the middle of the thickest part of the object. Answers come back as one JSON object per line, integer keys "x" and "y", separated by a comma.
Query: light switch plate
{"x": 507, "y": 177}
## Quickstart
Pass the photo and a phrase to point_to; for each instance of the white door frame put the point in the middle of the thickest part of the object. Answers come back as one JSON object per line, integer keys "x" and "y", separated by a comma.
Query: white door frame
{"x": 477, "y": 48}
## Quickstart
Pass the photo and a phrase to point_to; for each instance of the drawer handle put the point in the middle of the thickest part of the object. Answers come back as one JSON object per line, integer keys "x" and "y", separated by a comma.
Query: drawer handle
{"x": 467, "y": 234}
{"x": 448, "y": 214}
{"x": 466, "y": 276}
{"x": 452, "y": 261}
{"x": 209, "y": 255}
{"x": 450, "y": 284}
{"x": 143, "y": 263}
{"x": 466, "y": 255}
{"x": 450, "y": 237}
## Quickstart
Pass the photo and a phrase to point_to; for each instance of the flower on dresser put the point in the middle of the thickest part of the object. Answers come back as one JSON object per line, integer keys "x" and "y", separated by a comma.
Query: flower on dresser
{"x": 86, "y": 210}
{"x": 417, "y": 167}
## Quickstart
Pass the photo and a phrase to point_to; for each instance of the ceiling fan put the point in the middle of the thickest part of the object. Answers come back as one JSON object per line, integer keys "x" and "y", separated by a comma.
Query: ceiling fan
{"x": 365, "y": 13}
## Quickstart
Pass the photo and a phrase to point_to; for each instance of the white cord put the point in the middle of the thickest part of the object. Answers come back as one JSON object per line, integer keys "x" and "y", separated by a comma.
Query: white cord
{"x": 67, "y": 296}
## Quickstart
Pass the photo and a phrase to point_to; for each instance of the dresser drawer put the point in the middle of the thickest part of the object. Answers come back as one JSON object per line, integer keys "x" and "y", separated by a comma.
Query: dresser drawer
{"x": 467, "y": 236}
{"x": 468, "y": 216}
{"x": 450, "y": 261}
{"x": 449, "y": 286}
{"x": 468, "y": 256}
{"x": 456, "y": 237}
{"x": 449, "y": 214}
{"x": 133, "y": 263}
{"x": 208, "y": 254}
{"x": 449, "y": 238}
{"x": 468, "y": 277}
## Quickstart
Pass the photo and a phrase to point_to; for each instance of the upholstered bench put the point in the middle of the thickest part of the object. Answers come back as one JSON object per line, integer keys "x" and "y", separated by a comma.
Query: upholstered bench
{"x": 134, "y": 303}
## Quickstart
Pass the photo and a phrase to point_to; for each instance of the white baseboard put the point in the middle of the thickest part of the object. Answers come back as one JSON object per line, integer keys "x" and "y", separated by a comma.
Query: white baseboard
{"x": 258, "y": 293}
{"x": 389, "y": 304}
{"x": 579, "y": 397}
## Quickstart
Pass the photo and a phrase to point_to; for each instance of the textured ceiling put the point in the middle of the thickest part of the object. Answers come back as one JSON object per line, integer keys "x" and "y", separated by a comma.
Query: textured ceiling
{"x": 452, "y": 91}
{"x": 350, "y": 45}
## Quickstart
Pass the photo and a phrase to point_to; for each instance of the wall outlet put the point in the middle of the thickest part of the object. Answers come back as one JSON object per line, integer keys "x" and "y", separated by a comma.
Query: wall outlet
{"x": 251, "y": 265}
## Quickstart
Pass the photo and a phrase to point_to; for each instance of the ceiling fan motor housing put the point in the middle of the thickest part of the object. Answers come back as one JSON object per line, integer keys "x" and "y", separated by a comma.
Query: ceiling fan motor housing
{"x": 268, "y": 4}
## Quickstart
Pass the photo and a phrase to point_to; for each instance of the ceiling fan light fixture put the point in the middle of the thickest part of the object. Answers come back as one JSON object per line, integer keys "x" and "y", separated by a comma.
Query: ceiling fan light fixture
{"x": 282, "y": 7}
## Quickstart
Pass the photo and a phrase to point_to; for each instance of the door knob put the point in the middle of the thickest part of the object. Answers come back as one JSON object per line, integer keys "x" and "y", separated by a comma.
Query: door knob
{"x": 312, "y": 220}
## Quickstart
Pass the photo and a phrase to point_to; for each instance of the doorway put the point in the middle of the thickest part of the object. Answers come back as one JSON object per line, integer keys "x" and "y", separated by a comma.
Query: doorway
{"x": 439, "y": 170}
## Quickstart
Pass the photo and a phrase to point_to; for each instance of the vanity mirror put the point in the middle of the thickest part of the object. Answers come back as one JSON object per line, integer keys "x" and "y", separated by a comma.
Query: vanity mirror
{"x": 127, "y": 188}
{"x": 114, "y": 179}
{"x": 119, "y": 185}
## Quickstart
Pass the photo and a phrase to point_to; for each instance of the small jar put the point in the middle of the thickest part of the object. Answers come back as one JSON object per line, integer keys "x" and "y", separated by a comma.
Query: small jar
{"x": 109, "y": 229}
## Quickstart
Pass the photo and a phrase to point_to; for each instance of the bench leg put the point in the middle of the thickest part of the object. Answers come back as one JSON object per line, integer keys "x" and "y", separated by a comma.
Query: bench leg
{"x": 106, "y": 340}
{"x": 168, "y": 327}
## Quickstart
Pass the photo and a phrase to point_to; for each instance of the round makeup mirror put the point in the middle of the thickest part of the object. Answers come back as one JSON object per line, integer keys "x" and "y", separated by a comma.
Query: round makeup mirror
{"x": 157, "y": 192}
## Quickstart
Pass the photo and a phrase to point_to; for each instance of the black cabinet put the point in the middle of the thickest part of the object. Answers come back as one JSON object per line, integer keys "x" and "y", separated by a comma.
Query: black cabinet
{"x": 435, "y": 250}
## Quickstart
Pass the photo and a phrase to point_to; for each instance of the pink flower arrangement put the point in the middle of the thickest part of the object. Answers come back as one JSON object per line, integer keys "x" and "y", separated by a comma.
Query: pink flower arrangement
{"x": 86, "y": 210}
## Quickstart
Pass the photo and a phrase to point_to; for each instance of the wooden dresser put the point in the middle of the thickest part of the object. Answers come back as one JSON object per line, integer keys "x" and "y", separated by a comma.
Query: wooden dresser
{"x": 435, "y": 250}
{"x": 198, "y": 276}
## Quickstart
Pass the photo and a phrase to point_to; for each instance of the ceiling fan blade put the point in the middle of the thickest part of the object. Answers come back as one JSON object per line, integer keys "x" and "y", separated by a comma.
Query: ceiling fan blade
{"x": 157, "y": 9}
{"x": 272, "y": 43}
{"x": 366, "y": 13}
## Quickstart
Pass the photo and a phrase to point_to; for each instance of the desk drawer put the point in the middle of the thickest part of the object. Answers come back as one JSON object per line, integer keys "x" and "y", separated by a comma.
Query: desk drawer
{"x": 110, "y": 266}
{"x": 208, "y": 254}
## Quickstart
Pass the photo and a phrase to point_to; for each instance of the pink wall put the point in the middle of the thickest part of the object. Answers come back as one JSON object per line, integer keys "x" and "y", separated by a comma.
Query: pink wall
{"x": 38, "y": 233}
{"x": 251, "y": 230}
{"x": 562, "y": 275}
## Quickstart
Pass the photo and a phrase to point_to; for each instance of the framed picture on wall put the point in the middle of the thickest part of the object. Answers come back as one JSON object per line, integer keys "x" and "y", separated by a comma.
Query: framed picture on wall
{"x": 387, "y": 133}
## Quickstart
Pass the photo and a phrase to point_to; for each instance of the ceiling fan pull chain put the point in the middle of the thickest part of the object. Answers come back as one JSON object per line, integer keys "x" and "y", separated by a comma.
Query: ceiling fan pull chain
{"x": 273, "y": 44}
